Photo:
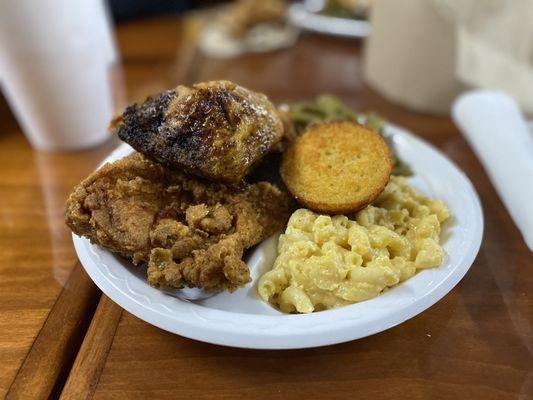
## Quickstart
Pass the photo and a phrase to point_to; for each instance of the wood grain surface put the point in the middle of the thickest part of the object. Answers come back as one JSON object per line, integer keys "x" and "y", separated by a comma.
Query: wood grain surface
{"x": 52, "y": 353}
{"x": 91, "y": 357}
{"x": 36, "y": 254}
{"x": 475, "y": 343}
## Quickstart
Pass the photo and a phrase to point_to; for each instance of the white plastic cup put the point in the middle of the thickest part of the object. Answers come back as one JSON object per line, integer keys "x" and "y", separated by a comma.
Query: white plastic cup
{"x": 55, "y": 64}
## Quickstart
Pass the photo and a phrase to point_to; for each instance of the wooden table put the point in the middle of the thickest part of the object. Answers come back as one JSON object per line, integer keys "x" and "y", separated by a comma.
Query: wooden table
{"x": 60, "y": 337}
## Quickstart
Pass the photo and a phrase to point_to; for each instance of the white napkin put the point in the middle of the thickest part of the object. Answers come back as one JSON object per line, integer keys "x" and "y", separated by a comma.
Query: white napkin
{"x": 495, "y": 128}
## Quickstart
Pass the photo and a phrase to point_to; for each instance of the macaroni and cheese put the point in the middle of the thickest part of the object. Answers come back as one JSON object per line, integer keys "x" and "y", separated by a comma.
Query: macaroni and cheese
{"x": 325, "y": 262}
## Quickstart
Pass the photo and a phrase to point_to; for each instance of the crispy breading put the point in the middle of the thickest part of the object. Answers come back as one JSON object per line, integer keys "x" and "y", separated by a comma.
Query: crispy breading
{"x": 336, "y": 167}
{"x": 189, "y": 232}
{"x": 217, "y": 130}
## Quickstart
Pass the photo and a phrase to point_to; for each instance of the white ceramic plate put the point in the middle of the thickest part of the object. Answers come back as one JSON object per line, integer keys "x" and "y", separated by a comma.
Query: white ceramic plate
{"x": 305, "y": 15}
{"x": 242, "y": 319}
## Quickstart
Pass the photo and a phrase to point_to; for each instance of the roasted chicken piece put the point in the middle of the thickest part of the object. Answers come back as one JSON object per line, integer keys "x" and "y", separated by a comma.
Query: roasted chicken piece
{"x": 189, "y": 232}
{"x": 217, "y": 130}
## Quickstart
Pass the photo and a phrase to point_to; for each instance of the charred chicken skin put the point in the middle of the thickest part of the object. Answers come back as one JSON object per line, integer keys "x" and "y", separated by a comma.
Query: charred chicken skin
{"x": 216, "y": 130}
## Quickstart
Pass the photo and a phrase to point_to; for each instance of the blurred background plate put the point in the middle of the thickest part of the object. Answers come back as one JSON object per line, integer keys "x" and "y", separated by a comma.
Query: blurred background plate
{"x": 307, "y": 16}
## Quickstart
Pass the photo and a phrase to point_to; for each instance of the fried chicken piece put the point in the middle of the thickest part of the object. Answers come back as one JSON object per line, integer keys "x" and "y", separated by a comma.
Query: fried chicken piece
{"x": 217, "y": 130}
{"x": 188, "y": 231}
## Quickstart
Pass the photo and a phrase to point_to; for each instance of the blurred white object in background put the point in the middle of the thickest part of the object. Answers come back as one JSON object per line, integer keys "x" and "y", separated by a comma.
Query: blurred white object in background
{"x": 217, "y": 43}
{"x": 54, "y": 70}
{"x": 423, "y": 53}
{"x": 306, "y": 15}
{"x": 494, "y": 40}
{"x": 493, "y": 125}
{"x": 410, "y": 56}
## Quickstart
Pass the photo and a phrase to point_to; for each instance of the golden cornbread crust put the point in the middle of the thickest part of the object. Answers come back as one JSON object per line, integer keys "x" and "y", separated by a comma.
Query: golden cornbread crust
{"x": 336, "y": 167}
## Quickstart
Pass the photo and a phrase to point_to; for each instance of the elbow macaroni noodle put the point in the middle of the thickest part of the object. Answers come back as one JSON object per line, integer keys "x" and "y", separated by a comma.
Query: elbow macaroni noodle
{"x": 325, "y": 262}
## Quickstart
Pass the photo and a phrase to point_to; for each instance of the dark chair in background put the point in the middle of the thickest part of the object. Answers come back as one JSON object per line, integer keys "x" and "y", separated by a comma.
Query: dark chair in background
{"x": 125, "y": 10}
